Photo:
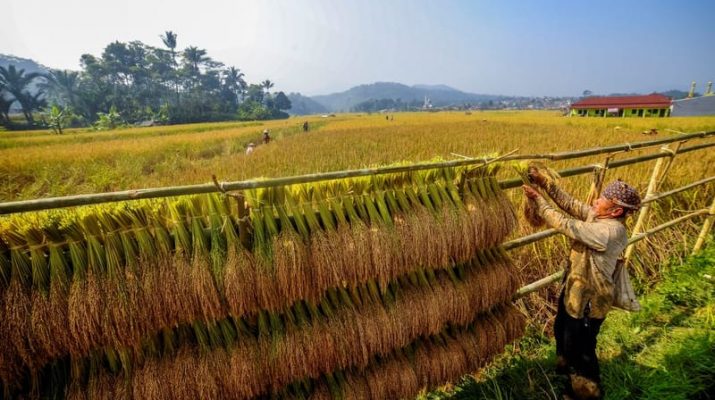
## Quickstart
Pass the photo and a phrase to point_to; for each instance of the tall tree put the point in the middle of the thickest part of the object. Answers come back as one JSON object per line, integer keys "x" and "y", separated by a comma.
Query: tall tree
{"x": 5, "y": 104}
{"x": 267, "y": 84}
{"x": 63, "y": 87}
{"x": 193, "y": 58}
{"x": 234, "y": 82}
{"x": 281, "y": 102}
{"x": 169, "y": 39}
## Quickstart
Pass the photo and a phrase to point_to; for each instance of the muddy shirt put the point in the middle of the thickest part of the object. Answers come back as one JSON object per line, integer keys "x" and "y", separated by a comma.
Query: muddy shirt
{"x": 598, "y": 242}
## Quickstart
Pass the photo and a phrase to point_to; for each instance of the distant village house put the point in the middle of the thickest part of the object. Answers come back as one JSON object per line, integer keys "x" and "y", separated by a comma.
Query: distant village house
{"x": 652, "y": 105}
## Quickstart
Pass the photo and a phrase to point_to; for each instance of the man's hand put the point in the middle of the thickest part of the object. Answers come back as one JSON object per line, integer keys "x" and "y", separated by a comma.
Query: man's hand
{"x": 536, "y": 177}
{"x": 530, "y": 192}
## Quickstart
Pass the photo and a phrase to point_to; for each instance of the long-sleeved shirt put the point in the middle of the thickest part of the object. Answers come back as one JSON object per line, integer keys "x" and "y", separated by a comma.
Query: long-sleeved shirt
{"x": 597, "y": 244}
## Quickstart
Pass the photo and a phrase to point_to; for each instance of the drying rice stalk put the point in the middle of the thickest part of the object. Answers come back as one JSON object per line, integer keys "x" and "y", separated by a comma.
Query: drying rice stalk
{"x": 337, "y": 333}
{"x": 425, "y": 362}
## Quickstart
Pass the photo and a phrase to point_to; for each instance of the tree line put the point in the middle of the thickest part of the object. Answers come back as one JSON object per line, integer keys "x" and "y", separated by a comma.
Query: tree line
{"x": 134, "y": 82}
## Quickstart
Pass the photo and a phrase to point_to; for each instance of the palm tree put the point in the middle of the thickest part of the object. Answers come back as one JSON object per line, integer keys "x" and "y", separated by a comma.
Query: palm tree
{"x": 193, "y": 57}
{"x": 64, "y": 85}
{"x": 16, "y": 83}
{"x": 267, "y": 84}
{"x": 169, "y": 39}
{"x": 5, "y": 104}
{"x": 233, "y": 79}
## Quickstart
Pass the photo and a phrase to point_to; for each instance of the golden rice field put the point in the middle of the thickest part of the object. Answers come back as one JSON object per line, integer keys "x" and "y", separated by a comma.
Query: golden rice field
{"x": 40, "y": 164}
{"x": 373, "y": 287}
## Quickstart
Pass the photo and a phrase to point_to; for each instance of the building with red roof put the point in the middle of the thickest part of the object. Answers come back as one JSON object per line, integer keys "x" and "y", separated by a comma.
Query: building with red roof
{"x": 651, "y": 105}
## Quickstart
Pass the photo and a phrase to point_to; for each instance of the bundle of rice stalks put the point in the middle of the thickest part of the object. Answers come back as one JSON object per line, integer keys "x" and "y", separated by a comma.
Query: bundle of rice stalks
{"x": 108, "y": 276}
{"x": 427, "y": 361}
{"x": 424, "y": 363}
{"x": 346, "y": 330}
{"x": 531, "y": 212}
{"x": 371, "y": 228}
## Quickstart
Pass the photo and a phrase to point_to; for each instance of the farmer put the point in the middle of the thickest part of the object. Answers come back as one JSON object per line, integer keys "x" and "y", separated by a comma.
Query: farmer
{"x": 599, "y": 236}
{"x": 266, "y": 136}
{"x": 251, "y": 147}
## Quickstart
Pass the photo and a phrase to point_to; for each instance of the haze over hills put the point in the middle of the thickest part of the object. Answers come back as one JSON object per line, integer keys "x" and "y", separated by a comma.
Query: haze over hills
{"x": 304, "y": 105}
{"x": 439, "y": 95}
{"x": 22, "y": 63}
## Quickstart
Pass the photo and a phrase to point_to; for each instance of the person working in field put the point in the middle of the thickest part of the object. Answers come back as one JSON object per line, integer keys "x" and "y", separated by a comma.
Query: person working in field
{"x": 251, "y": 147}
{"x": 600, "y": 236}
{"x": 266, "y": 136}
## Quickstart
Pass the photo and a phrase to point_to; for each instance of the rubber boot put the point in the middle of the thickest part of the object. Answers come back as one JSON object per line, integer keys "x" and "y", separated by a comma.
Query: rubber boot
{"x": 584, "y": 388}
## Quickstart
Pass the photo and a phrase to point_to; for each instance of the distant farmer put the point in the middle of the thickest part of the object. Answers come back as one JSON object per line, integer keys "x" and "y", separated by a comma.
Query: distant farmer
{"x": 250, "y": 148}
{"x": 266, "y": 136}
{"x": 305, "y": 126}
{"x": 599, "y": 237}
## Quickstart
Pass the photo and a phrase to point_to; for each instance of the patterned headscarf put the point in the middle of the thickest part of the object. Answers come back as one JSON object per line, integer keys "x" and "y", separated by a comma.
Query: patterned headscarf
{"x": 622, "y": 194}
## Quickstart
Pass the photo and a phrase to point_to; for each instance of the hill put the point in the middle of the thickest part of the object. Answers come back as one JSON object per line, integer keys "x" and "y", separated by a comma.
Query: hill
{"x": 304, "y": 105}
{"x": 29, "y": 66}
{"x": 439, "y": 95}
{"x": 23, "y": 63}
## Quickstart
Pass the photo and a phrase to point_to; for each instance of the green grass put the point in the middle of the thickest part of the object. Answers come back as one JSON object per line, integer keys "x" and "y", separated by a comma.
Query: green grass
{"x": 666, "y": 351}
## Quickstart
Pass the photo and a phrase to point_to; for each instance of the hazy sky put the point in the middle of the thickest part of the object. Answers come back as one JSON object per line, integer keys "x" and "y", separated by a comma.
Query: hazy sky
{"x": 322, "y": 46}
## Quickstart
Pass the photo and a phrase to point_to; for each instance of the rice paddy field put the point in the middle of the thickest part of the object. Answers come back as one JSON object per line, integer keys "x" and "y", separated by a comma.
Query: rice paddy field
{"x": 40, "y": 164}
{"x": 335, "y": 289}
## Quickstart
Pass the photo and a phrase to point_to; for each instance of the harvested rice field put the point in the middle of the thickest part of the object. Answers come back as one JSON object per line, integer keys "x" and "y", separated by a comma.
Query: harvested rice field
{"x": 382, "y": 286}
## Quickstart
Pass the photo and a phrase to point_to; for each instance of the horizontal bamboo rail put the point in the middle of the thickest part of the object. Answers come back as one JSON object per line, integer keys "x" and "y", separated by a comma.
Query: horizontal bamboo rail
{"x": 586, "y": 169}
{"x": 150, "y": 193}
{"x": 546, "y": 281}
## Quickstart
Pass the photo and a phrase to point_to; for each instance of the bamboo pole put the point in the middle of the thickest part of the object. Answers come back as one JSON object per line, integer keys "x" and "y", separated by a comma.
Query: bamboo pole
{"x": 669, "y": 162}
{"x": 150, "y": 193}
{"x": 524, "y": 240}
{"x": 599, "y": 175}
{"x": 707, "y": 225}
{"x": 565, "y": 173}
{"x": 656, "y": 177}
{"x": 678, "y": 190}
{"x": 541, "y": 283}
{"x": 622, "y": 147}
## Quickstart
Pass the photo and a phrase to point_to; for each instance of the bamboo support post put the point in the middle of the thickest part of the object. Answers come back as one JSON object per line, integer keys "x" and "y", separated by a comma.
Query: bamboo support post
{"x": 669, "y": 161}
{"x": 707, "y": 225}
{"x": 599, "y": 175}
{"x": 656, "y": 177}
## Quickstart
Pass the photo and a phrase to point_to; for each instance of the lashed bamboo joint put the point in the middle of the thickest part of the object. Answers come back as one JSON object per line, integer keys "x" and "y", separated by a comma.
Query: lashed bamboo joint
{"x": 382, "y": 260}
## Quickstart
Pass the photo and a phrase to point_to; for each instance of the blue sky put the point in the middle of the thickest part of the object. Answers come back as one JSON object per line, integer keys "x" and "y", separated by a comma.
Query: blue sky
{"x": 321, "y": 46}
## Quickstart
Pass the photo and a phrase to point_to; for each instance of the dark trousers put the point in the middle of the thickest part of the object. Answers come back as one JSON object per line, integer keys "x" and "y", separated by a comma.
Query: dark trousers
{"x": 576, "y": 342}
